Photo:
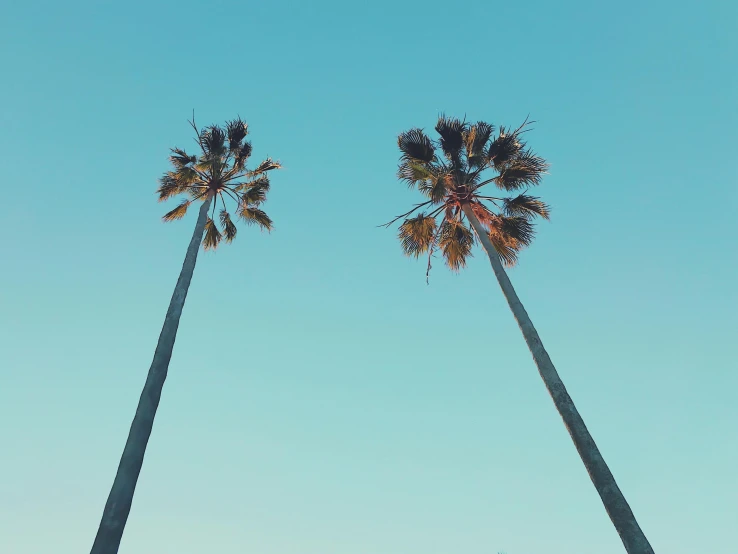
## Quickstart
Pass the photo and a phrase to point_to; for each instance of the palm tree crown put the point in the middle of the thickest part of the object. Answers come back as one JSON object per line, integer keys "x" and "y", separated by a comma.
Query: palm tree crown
{"x": 456, "y": 178}
{"x": 219, "y": 172}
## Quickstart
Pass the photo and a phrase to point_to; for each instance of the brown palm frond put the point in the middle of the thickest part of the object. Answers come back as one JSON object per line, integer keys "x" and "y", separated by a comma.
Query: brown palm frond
{"x": 169, "y": 186}
{"x": 267, "y": 165}
{"x": 475, "y": 140}
{"x": 212, "y": 235}
{"x": 455, "y": 241}
{"x": 452, "y": 136}
{"x": 525, "y": 169}
{"x": 416, "y": 234}
{"x": 236, "y": 131}
{"x": 485, "y": 216}
{"x": 178, "y": 212}
{"x": 229, "y": 229}
{"x": 255, "y": 216}
{"x": 526, "y": 206}
{"x": 507, "y": 249}
{"x": 416, "y": 146}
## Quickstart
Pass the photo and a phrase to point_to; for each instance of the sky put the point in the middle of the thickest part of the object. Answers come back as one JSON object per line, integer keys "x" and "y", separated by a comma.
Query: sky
{"x": 322, "y": 398}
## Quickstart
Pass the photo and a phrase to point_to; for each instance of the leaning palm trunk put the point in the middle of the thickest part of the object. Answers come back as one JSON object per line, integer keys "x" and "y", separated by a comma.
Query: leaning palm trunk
{"x": 118, "y": 506}
{"x": 617, "y": 507}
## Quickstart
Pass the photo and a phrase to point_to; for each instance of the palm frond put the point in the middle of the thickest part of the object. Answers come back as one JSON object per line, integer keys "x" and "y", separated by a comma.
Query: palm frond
{"x": 213, "y": 141}
{"x": 507, "y": 249}
{"x": 416, "y": 146}
{"x": 413, "y": 172}
{"x": 452, "y": 132}
{"x": 236, "y": 131}
{"x": 229, "y": 229}
{"x": 255, "y": 216}
{"x": 436, "y": 188}
{"x": 178, "y": 212}
{"x": 243, "y": 155}
{"x": 168, "y": 187}
{"x": 267, "y": 165}
{"x": 261, "y": 181}
{"x": 212, "y": 235}
{"x": 524, "y": 169}
{"x": 180, "y": 158}
{"x": 520, "y": 229}
{"x": 476, "y": 138}
{"x": 504, "y": 148}
{"x": 254, "y": 195}
{"x": 455, "y": 241}
{"x": 185, "y": 175}
{"x": 525, "y": 206}
{"x": 416, "y": 234}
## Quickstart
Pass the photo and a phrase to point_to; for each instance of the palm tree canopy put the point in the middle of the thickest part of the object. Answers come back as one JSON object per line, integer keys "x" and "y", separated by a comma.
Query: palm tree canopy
{"x": 219, "y": 172}
{"x": 451, "y": 171}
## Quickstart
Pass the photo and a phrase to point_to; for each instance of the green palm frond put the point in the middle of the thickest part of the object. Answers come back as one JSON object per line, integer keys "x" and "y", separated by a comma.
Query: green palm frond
{"x": 186, "y": 175}
{"x": 212, "y": 235}
{"x": 229, "y": 229}
{"x": 519, "y": 230}
{"x": 452, "y": 132}
{"x": 236, "y": 131}
{"x": 455, "y": 241}
{"x": 476, "y": 138}
{"x": 416, "y": 146}
{"x": 413, "y": 172}
{"x": 525, "y": 169}
{"x": 180, "y": 158}
{"x": 243, "y": 155}
{"x": 260, "y": 181}
{"x": 417, "y": 234}
{"x": 178, "y": 212}
{"x": 267, "y": 165}
{"x": 436, "y": 188}
{"x": 213, "y": 142}
{"x": 504, "y": 148}
{"x": 525, "y": 206}
{"x": 255, "y": 216}
{"x": 254, "y": 195}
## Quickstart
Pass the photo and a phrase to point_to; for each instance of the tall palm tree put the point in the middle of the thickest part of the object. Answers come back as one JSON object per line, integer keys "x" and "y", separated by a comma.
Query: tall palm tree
{"x": 451, "y": 173}
{"x": 218, "y": 173}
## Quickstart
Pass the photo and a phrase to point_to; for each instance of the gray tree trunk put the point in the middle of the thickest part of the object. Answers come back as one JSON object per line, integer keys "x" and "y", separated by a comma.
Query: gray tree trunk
{"x": 617, "y": 507}
{"x": 118, "y": 505}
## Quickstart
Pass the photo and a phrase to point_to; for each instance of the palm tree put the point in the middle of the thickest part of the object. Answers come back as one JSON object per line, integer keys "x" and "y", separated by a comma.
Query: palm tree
{"x": 218, "y": 173}
{"x": 453, "y": 182}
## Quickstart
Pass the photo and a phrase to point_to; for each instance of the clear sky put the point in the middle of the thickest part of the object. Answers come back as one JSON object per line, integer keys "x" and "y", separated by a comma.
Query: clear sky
{"x": 322, "y": 399}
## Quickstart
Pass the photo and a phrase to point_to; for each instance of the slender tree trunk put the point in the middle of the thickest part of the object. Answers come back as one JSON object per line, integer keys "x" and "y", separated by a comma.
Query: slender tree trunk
{"x": 617, "y": 507}
{"x": 118, "y": 506}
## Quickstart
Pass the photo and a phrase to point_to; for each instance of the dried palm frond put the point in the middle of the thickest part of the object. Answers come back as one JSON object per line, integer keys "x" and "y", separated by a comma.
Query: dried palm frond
{"x": 416, "y": 234}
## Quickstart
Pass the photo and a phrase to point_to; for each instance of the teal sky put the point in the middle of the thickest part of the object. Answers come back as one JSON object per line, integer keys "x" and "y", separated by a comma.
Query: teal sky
{"x": 322, "y": 399}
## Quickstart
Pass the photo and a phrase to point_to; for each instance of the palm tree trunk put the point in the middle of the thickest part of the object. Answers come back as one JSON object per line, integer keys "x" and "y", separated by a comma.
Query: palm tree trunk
{"x": 617, "y": 507}
{"x": 118, "y": 506}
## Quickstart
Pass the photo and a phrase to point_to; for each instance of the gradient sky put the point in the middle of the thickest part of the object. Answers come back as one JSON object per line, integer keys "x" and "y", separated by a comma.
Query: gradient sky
{"x": 322, "y": 399}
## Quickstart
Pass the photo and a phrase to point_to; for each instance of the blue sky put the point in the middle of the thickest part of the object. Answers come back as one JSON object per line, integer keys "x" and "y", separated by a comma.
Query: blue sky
{"x": 322, "y": 399}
